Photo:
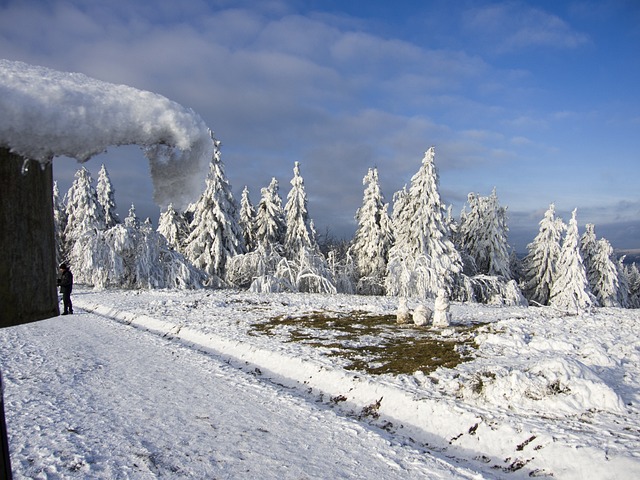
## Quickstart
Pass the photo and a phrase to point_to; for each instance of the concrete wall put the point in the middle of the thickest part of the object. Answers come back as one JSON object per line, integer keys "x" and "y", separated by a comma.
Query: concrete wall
{"x": 28, "y": 267}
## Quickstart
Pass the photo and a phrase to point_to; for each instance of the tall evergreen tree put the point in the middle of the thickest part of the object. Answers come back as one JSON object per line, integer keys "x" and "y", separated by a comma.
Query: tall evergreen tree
{"x": 633, "y": 275}
{"x": 106, "y": 198}
{"x": 247, "y": 220}
{"x": 423, "y": 259}
{"x": 173, "y": 227}
{"x": 132, "y": 220}
{"x": 606, "y": 284}
{"x": 215, "y": 232}
{"x": 270, "y": 220}
{"x": 539, "y": 265}
{"x": 84, "y": 213}
{"x": 570, "y": 289}
{"x": 299, "y": 233}
{"x": 373, "y": 237}
{"x": 588, "y": 248}
{"x": 624, "y": 286}
{"x": 483, "y": 235}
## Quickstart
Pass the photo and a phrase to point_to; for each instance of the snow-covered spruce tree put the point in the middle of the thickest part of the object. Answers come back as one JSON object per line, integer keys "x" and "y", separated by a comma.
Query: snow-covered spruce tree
{"x": 59, "y": 224}
{"x": 342, "y": 268}
{"x": 84, "y": 213}
{"x": 215, "y": 234}
{"x": 106, "y": 198}
{"x": 299, "y": 234}
{"x": 132, "y": 219}
{"x": 270, "y": 221}
{"x": 588, "y": 248}
{"x": 570, "y": 289}
{"x": 605, "y": 275}
{"x": 257, "y": 268}
{"x": 633, "y": 275}
{"x": 624, "y": 286}
{"x": 373, "y": 238}
{"x": 300, "y": 246}
{"x": 130, "y": 256}
{"x": 539, "y": 265}
{"x": 423, "y": 259}
{"x": 247, "y": 220}
{"x": 483, "y": 235}
{"x": 173, "y": 227}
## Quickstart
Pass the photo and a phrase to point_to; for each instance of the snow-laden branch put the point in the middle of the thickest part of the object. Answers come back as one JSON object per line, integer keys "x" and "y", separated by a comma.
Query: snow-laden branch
{"x": 46, "y": 113}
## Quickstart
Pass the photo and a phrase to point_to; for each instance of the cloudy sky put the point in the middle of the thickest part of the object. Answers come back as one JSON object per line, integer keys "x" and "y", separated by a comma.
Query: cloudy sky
{"x": 539, "y": 99}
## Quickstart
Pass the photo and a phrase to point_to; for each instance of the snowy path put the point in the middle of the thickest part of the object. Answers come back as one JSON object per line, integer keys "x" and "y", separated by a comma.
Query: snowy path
{"x": 86, "y": 397}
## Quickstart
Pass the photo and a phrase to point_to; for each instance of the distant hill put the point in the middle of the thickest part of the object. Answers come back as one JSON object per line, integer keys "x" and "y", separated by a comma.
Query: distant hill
{"x": 632, "y": 255}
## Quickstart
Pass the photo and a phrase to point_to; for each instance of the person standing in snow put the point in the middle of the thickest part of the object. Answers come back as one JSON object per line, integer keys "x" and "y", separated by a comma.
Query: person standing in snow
{"x": 65, "y": 282}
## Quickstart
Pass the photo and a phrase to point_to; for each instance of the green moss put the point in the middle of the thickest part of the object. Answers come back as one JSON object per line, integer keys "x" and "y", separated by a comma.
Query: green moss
{"x": 374, "y": 344}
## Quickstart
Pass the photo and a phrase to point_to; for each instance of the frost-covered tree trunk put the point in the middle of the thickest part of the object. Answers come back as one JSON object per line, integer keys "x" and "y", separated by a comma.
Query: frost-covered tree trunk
{"x": 173, "y": 227}
{"x": 106, "y": 198}
{"x": 605, "y": 274}
{"x": 59, "y": 224}
{"x": 270, "y": 220}
{"x": 570, "y": 289}
{"x": 299, "y": 235}
{"x": 215, "y": 234}
{"x": 539, "y": 266}
{"x": 373, "y": 238}
{"x": 423, "y": 259}
{"x": 247, "y": 220}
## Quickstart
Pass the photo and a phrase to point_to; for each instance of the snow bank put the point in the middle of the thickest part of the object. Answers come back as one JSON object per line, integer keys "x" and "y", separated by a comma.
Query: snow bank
{"x": 46, "y": 113}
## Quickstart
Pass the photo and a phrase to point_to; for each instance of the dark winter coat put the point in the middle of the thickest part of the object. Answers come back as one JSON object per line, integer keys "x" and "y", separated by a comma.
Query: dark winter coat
{"x": 66, "y": 281}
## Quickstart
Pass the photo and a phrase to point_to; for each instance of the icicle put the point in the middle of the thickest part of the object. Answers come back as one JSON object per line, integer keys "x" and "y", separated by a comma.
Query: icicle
{"x": 25, "y": 167}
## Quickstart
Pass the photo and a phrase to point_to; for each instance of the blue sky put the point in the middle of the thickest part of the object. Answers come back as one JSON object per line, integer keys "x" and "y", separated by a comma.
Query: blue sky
{"x": 539, "y": 99}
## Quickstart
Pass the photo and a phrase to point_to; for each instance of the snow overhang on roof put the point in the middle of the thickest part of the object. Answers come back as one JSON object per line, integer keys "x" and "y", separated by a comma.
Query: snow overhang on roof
{"x": 45, "y": 113}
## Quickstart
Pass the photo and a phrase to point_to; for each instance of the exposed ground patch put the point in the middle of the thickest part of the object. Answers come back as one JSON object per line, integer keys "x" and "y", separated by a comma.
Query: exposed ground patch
{"x": 374, "y": 344}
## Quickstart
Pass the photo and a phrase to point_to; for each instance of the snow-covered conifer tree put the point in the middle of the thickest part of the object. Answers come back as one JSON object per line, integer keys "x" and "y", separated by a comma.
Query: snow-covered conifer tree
{"x": 483, "y": 235}
{"x": 106, "y": 198}
{"x": 588, "y": 248}
{"x": 84, "y": 213}
{"x": 270, "y": 220}
{"x": 605, "y": 275}
{"x": 423, "y": 259}
{"x": 539, "y": 265}
{"x": 247, "y": 220}
{"x": 126, "y": 256}
{"x": 59, "y": 223}
{"x": 373, "y": 238}
{"x": 624, "y": 286}
{"x": 570, "y": 289}
{"x": 215, "y": 232}
{"x": 633, "y": 275}
{"x": 299, "y": 234}
{"x": 132, "y": 219}
{"x": 173, "y": 227}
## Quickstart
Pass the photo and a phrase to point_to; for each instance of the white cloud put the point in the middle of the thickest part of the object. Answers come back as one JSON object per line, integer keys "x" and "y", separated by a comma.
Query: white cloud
{"x": 512, "y": 26}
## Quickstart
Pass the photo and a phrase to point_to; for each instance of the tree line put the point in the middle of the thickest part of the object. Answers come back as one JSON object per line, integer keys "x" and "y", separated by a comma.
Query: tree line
{"x": 415, "y": 251}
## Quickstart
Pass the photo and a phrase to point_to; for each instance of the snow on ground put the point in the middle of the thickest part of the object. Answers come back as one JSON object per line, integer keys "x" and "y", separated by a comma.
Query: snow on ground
{"x": 208, "y": 396}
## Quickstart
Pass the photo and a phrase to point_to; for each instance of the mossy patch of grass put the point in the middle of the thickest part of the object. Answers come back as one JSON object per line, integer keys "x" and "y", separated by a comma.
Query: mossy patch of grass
{"x": 374, "y": 344}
